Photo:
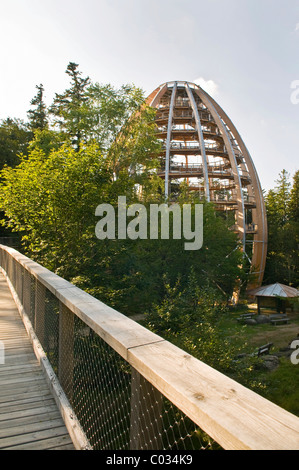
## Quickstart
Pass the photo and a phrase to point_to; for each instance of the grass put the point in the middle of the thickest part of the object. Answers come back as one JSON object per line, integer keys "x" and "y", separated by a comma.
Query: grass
{"x": 281, "y": 384}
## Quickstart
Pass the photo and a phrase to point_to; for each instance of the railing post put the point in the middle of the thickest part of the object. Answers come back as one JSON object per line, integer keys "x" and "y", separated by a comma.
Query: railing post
{"x": 66, "y": 350}
{"x": 40, "y": 307}
{"x": 146, "y": 414}
{"x": 19, "y": 282}
{"x": 27, "y": 292}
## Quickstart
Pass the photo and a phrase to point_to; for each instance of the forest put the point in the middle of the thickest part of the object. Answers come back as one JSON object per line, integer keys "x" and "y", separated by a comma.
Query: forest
{"x": 92, "y": 144}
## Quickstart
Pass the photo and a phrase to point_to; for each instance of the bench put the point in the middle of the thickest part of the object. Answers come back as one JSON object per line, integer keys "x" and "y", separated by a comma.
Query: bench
{"x": 265, "y": 349}
{"x": 245, "y": 316}
{"x": 276, "y": 321}
{"x": 261, "y": 351}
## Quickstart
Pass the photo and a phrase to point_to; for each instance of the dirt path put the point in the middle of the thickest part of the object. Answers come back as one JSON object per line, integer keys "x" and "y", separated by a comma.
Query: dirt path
{"x": 280, "y": 335}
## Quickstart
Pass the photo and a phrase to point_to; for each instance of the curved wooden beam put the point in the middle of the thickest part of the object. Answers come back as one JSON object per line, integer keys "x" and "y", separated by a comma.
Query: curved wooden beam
{"x": 201, "y": 140}
{"x": 235, "y": 158}
{"x": 261, "y": 237}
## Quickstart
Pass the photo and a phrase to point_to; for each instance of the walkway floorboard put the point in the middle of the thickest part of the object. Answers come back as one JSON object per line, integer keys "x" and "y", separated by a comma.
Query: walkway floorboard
{"x": 29, "y": 416}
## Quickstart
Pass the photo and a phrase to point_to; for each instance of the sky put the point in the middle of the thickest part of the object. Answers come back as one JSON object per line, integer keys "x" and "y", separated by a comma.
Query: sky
{"x": 245, "y": 53}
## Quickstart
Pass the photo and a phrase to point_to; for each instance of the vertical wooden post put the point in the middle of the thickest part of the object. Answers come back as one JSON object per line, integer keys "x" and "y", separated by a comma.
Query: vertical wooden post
{"x": 66, "y": 350}
{"x": 27, "y": 292}
{"x": 258, "y": 305}
{"x": 40, "y": 307}
{"x": 146, "y": 415}
{"x": 19, "y": 282}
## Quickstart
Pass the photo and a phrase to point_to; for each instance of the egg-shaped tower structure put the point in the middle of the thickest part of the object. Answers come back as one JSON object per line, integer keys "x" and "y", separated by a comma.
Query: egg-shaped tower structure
{"x": 201, "y": 146}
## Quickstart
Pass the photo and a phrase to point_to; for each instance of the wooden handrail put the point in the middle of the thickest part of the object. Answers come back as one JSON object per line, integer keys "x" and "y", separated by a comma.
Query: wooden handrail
{"x": 234, "y": 416}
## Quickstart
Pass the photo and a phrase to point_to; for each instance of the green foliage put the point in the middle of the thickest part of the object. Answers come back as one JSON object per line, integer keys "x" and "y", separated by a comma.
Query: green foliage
{"x": 192, "y": 318}
{"x": 50, "y": 200}
{"x": 283, "y": 231}
{"x": 102, "y": 145}
{"x": 293, "y": 207}
{"x": 282, "y": 386}
{"x": 15, "y": 136}
{"x": 130, "y": 272}
{"x": 45, "y": 140}
{"x": 38, "y": 116}
{"x": 136, "y": 141}
{"x": 70, "y": 109}
{"x": 112, "y": 110}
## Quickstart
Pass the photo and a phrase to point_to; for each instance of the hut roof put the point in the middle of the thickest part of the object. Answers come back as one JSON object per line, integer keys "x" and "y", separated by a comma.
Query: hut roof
{"x": 275, "y": 290}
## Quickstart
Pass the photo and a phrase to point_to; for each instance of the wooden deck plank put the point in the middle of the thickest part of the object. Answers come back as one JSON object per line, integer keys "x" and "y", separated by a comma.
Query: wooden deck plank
{"x": 24, "y": 389}
{"x": 19, "y": 379}
{"x": 26, "y": 404}
{"x": 31, "y": 398}
{"x": 11, "y": 344}
{"x": 43, "y": 444}
{"x": 29, "y": 412}
{"x": 20, "y": 359}
{"x": 29, "y": 416}
{"x": 25, "y": 385}
{"x": 32, "y": 437}
{"x": 34, "y": 382}
{"x": 36, "y": 418}
{"x": 29, "y": 428}
{"x": 18, "y": 369}
{"x": 63, "y": 447}
{"x": 9, "y": 348}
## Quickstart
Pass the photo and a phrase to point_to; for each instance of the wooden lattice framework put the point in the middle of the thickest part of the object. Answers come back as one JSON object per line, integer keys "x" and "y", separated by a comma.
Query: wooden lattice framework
{"x": 202, "y": 147}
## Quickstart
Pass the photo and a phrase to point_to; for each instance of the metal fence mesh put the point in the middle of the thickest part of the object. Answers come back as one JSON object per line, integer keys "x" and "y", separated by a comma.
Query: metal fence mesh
{"x": 117, "y": 408}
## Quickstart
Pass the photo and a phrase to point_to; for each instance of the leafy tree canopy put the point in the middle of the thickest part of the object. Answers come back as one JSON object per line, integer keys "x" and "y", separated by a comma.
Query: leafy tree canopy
{"x": 38, "y": 118}
{"x": 93, "y": 144}
{"x": 283, "y": 231}
{"x": 15, "y": 136}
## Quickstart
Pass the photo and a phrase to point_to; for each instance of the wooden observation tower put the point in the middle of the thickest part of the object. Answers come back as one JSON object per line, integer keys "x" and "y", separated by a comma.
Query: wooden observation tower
{"x": 202, "y": 147}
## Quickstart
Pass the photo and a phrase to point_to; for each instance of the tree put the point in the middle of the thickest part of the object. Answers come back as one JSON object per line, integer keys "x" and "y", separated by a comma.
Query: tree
{"x": 70, "y": 109}
{"x": 50, "y": 200}
{"x": 136, "y": 147}
{"x": 106, "y": 147}
{"x": 15, "y": 136}
{"x": 188, "y": 317}
{"x": 112, "y": 110}
{"x": 293, "y": 210}
{"x": 294, "y": 199}
{"x": 191, "y": 317}
{"x": 129, "y": 273}
{"x": 88, "y": 112}
{"x": 283, "y": 234}
{"x": 38, "y": 117}
{"x": 282, "y": 196}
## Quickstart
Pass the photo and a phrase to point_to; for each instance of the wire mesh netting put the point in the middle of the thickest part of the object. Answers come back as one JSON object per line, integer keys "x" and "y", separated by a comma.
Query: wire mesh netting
{"x": 117, "y": 408}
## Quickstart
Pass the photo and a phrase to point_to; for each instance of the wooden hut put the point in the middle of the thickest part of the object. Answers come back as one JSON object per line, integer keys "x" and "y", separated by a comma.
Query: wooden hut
{"x": 274, "y": 296}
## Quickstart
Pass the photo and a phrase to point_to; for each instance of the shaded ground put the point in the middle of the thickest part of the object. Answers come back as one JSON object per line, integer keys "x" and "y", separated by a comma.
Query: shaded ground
{"x": 257, "y": 335}
{"x": 279, "y": 335}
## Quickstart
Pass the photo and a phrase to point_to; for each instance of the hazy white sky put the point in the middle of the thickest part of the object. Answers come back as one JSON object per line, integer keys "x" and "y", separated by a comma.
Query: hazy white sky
{"x": 245, "y": 52}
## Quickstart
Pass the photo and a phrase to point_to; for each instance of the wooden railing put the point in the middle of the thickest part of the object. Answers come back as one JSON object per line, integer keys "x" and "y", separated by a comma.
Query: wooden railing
{"x": 232, "y": 415}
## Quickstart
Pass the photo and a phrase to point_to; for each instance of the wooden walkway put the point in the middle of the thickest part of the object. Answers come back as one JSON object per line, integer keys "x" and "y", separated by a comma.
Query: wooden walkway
{"x": 29, "y": 416}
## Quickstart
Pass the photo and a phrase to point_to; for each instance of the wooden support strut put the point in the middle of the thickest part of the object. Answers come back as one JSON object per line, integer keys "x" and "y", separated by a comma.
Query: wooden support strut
{"x": 201, "y": 140}
{"x": 146, "y": 414}
{"x": 168, "y": 139}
